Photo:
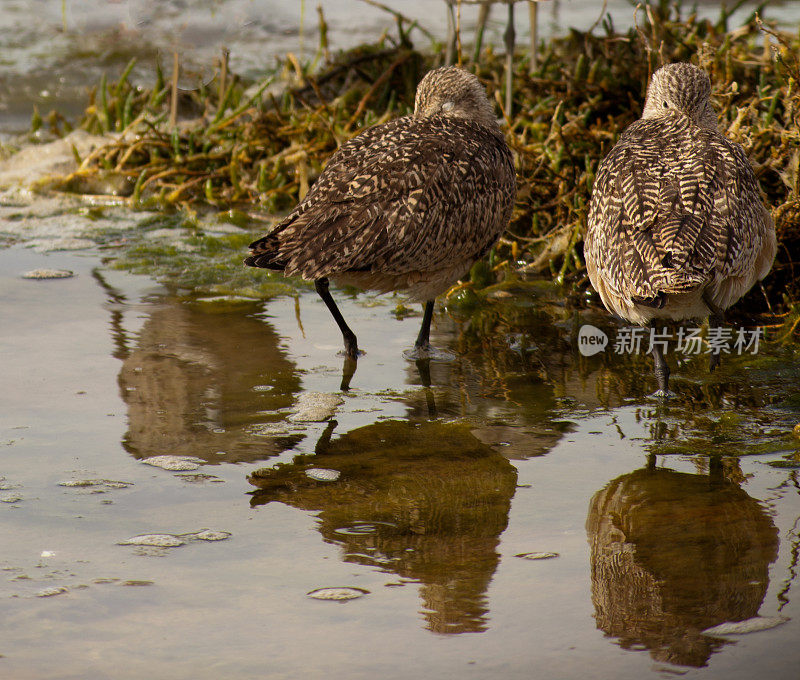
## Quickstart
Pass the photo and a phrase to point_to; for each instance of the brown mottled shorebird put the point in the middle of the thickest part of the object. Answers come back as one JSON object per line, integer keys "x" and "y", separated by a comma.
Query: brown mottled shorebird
{"x": 408, "y": 205}
{"x": 677, "y": 229}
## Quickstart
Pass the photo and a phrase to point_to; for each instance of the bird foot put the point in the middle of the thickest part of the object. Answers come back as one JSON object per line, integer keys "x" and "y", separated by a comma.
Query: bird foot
{"x": 663, "y": 395}
{"x": 349, "y": 354}
{"x": 421, "y": 352}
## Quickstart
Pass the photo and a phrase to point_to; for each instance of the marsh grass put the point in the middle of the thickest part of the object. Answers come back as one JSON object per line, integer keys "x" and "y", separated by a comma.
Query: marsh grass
{"x": 261, "y": 145}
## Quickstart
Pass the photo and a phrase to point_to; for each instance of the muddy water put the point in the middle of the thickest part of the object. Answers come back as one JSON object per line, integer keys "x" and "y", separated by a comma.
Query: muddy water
{"x": 664, "y": 521}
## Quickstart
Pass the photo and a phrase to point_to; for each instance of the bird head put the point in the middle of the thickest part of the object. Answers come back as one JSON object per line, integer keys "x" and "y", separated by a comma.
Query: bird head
{"x": 684, "y": 88}
{"x": 452, "y": 91}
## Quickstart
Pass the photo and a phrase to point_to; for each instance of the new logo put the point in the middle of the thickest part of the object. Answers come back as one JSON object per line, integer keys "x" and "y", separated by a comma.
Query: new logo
{"x": 591, "y": 340}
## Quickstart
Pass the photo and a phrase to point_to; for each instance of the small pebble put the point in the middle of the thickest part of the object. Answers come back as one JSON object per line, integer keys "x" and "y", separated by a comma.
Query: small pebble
{"x": 174, "y": 463}
{"x": 271, "y": 429}
{"x": 50, "y": 592}
{"x": 337, "y": 594}
{"x": 323, "y": 474}
{"x": 537, "y": 555}
{"x": 209, "y": 535}
{"x": 80, "y": 482}
{"x": 111, "y": 484}
{"x": 753, "y": 625}
{"x": 48, "y": 274}
{"x": 315, "y": 407}
{"x": 154, "y": 540}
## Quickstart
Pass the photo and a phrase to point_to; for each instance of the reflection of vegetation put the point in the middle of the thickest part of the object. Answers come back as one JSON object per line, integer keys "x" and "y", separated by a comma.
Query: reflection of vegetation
{"x": 673, "y": 554}
{"x": 516, "y": 341}
{"x": 426, "y": 501}
{"x": 525, "y": 343}
{"x": 746, "y": 408}
{"x": 189, "y": 387}
{"x": 750, "y": 432}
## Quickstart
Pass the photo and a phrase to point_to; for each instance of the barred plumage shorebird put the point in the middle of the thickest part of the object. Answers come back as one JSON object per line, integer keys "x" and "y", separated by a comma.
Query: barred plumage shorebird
{"x": 677, "y": 229}
{"x": 408, "y": 205}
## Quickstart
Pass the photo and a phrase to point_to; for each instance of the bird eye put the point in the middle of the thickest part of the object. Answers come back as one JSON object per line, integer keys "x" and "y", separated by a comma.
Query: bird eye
{"x": 448, "y": 106}
{"x": 666, "y": 106}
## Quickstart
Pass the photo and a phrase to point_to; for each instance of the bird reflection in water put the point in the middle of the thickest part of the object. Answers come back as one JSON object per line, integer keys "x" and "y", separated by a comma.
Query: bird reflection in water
{"x": 426, "y": 501}
{"x": 673, "y": 554}
{"x": 191, "y": 390}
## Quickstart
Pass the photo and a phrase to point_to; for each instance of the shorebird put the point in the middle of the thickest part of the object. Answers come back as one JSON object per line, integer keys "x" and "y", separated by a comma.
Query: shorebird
{"x": 677, "y": 228}
{"x": 407, "y": 205}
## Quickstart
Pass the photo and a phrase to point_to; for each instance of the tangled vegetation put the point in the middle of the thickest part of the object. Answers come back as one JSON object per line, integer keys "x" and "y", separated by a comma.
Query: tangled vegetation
{"x": 261, "y": 145}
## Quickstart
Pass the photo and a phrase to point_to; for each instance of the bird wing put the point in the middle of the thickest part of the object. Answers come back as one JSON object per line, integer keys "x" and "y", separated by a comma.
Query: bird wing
{"x": 674, "y": 206}
{"x": 409, "y": 195}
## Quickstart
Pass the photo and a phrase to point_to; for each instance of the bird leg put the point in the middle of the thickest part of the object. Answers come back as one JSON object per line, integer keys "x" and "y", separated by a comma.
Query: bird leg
{"x": 424, "y": 370}
{"x": 422, "y": 347}
{"x": 324, "y": 441}
{"x": 662, "y": 374}
{"x": 350, "y": 343}
{"x": 715, "y": 320}
{"x": 348, "y": 371}
{"x": 424, "y": 337}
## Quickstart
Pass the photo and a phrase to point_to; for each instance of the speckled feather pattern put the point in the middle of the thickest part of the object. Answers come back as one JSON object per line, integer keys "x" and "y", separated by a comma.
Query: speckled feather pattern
{"x": 676, "y": 213}
{"x": 410, "y": 204}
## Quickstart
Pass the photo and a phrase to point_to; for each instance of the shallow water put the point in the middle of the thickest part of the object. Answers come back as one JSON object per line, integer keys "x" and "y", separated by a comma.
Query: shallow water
{"x": 519, "y": 446}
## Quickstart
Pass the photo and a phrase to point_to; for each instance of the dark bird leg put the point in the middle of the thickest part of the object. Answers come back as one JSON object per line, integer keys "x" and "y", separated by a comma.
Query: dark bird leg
{"x": 424, "y": 368}
{"x": 324, "y": 441}
{"x": 422, "y": 347}
{"x": 424, "y": 338}
{"x": 716, "y": 472}
{"x": 661, "y": 370}
{"x": 348, "y": 371}
{"x": 424, "y": 365}
{"x": 350, "y": 342}
{"x": 715, "y": 320}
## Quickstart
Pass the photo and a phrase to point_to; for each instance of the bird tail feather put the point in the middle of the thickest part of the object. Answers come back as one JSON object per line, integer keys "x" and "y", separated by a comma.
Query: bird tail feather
{"x": 264, "y": 254}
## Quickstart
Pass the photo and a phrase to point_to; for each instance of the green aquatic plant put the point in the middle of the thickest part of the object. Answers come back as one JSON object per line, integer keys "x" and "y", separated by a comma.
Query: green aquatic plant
{"x": 174, "y": 262}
